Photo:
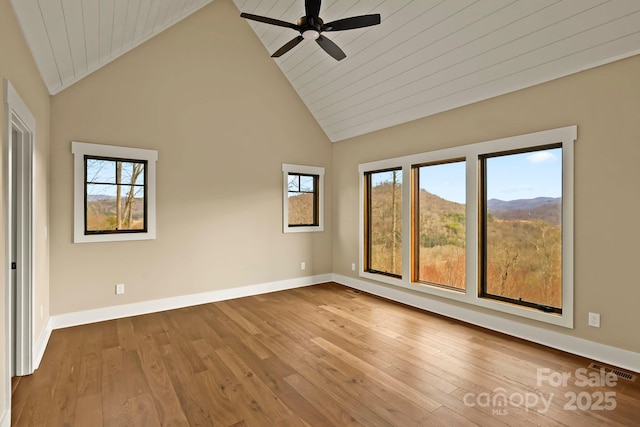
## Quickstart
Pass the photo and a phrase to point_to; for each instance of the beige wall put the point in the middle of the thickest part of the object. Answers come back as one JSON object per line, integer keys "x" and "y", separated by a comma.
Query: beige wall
{"x": 17, "y": 66}
{"x": 604, "y": 103}
{"x": 208, "y": 97}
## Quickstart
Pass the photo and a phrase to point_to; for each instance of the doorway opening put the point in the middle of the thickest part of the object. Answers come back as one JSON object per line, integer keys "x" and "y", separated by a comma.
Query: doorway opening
{"x": 19, "y": 260}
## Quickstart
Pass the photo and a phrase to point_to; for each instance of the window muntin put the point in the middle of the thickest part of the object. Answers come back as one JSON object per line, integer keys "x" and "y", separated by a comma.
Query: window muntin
{"x": 439, "y": 224}
{"x": 115, "y": 195}
{"x": 302, "y": 193}
{"x": 521, "y": 227}
{"x": 384, "y": 222}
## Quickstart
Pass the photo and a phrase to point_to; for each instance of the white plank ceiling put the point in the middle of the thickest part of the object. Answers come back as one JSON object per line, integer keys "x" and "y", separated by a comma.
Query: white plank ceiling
{"x": 426, "y": 57}
{"x": 70, "y": 39}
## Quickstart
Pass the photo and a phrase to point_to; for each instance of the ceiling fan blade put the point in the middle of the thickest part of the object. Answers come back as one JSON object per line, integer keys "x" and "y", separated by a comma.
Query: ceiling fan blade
{"x": 287, "y": 47}
{"x": 352, "y": 23}
{"x": 331, "y": 48}
{"x": 271, "y": 21}
{"x": 312, "y": 8}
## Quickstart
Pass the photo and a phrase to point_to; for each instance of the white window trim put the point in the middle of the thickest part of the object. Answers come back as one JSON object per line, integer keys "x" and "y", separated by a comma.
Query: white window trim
{"x": 81, "y": 149}
{"x": 566, "y": 136}
{"x": 309, "y": 170}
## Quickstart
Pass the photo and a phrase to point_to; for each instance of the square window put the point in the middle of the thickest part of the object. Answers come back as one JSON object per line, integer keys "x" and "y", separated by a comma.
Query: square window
{"x": 114, "y": 193}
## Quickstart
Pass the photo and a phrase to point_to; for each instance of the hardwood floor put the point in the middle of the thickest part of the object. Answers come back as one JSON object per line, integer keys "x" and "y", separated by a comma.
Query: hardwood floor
{"x": 318, "y": 356}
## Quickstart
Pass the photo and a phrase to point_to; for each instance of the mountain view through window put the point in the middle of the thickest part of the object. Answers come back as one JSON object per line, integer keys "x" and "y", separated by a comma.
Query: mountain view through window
{"x": 115, "y": 195}
{"x": 522, "y": 227}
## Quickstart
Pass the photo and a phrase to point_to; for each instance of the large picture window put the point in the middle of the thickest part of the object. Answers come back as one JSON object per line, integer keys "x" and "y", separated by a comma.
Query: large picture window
{"x": 384, "y": 222}
{"x": 439, "y": 240}
{"x": 488, "y": 224}
{"x": 521, "y": 227}
{"x": 114, "y": 193}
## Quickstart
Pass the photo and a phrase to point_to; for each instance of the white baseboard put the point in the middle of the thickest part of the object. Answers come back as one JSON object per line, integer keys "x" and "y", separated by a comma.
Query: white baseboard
{"x": 145, "y": 307}
{"x": 41, "y": 345}
{"x": 5, "y": 419}
{"x": 589, "y": 349}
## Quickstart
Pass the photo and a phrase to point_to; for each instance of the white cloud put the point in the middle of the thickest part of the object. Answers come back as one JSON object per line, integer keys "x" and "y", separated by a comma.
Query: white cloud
{"x": 541, "y": 157}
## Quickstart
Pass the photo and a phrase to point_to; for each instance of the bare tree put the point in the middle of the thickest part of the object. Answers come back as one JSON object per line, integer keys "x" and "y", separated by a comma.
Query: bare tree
{"x": 504, "y": 258}
{"x": 394, "y": 223}
{"x": 128, "y": 207}
{"x": 546, "y": 239}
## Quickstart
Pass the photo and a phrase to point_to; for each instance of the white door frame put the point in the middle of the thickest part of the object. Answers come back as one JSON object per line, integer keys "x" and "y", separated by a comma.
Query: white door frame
{"x": 18, "y": 117}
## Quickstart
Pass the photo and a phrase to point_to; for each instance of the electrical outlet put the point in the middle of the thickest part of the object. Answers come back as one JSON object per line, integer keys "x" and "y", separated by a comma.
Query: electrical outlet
{"x": 120, "y": 289}
{"x": 302, "y": 266}
{"x": 353, "y": 266}
{"x": 594, "y": 320}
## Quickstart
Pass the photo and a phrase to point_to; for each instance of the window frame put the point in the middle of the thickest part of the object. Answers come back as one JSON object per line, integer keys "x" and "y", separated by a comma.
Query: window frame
{"x": 316, "y": 213}
{"x": 415, "y": 217}
{"x": 471, "y": 153}
{"x": 144, "y": 185}
{"x": 303, "y": 170}
{"x": 82, "y": 151}
{"x": 367, "y": 231}
{"x": 482, "y": 224}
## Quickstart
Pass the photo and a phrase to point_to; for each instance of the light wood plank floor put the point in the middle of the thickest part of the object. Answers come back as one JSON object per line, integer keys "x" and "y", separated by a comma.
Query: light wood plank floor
{"x": 318, "y": 356}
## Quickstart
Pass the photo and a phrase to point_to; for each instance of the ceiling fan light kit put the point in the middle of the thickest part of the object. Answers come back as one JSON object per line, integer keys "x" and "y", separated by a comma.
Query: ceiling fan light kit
{"x": 310, "y": 34}
{"x": 311, "y": 27}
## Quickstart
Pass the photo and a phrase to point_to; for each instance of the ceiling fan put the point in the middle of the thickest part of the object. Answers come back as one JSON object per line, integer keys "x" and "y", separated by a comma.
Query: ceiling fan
{"x": 311, "y": 26}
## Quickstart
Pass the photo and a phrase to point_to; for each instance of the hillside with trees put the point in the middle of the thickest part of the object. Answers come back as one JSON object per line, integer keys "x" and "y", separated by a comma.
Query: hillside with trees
{"x": 548, "y": 209}
{"x": 102, "y": 213}
{"x": 442, "y": 241}
{"x": 386, "y": 227}
{"x": 301, "y": 209}
{"x": 523, "y": 243}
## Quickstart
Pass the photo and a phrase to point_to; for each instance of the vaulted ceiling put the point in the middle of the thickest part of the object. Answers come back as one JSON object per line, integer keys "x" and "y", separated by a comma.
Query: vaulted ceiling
{"x": 427, "y": 56}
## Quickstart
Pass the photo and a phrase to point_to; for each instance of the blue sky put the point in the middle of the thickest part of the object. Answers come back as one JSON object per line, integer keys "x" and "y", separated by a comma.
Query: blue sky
{"x": 525, "y": 176}
{"x": 104, "y": 171}
{"x": 445, "y": 180}
{"x": 517, "y": 176}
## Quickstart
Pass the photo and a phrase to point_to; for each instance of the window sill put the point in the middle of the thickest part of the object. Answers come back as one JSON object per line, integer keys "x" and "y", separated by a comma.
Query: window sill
{"x": 309, "y": 229}
{"x": 564, "y": 320}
